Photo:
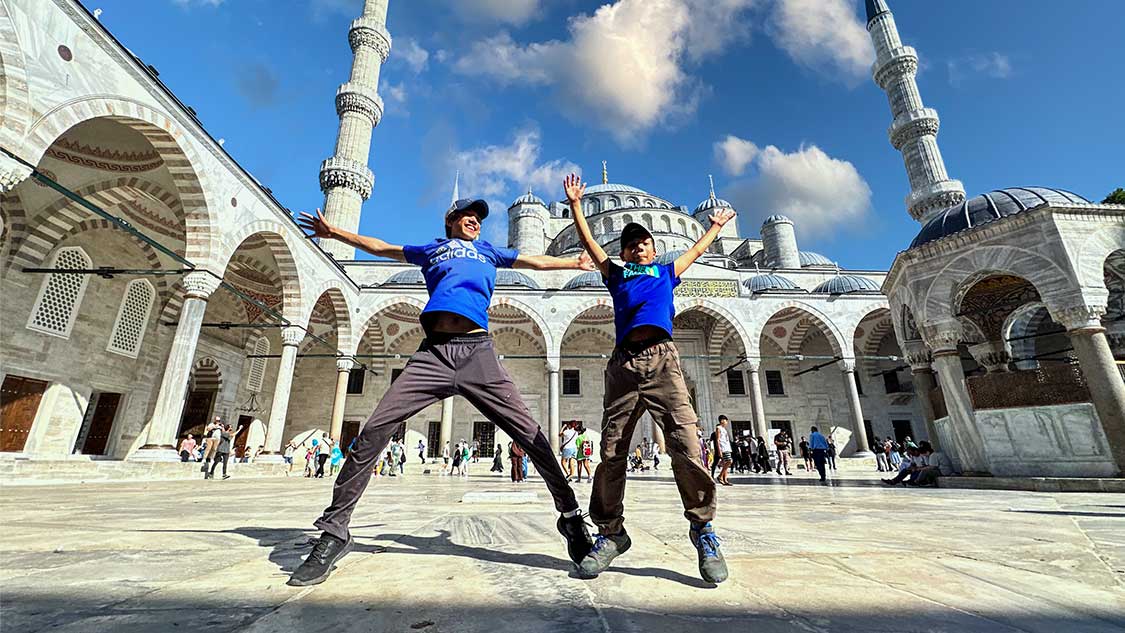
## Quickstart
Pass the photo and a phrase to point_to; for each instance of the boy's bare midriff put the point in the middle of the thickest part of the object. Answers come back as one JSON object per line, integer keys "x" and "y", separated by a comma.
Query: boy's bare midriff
{"x": 449, "y": 323}
{"x": 645, "y": 333}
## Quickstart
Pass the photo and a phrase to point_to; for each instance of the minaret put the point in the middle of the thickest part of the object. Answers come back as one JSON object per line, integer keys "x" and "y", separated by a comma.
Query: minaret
{"x": 915, "y": 127}
{"x": 345, "y": 178}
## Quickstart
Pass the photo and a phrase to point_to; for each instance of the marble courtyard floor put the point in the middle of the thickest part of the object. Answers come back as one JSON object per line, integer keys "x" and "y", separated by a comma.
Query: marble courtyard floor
{"x": 213, "y": 556}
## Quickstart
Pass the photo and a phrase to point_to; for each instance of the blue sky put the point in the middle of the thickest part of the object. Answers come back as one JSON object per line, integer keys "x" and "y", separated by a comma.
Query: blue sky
{"x": 773, "y": 97}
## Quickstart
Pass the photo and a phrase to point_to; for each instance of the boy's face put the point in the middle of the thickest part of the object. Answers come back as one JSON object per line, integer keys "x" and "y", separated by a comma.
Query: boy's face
{"x": 465, "y": 226}
{"x": 640, "y": 251}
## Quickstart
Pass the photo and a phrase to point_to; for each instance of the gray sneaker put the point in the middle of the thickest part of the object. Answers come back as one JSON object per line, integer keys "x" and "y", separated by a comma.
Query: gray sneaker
{"x": 712, "y": 566}
{"x": 605, "y": 549}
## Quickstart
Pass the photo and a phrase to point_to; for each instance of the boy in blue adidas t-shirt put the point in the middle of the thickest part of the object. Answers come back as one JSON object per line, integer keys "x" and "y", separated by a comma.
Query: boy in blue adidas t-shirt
{"x": 644, "y": 374}
{"x": 456, "y": 357}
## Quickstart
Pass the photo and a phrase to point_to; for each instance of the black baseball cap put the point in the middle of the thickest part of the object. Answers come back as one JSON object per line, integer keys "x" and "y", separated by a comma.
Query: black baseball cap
{"x": 632, "y": 232}
{"x": 465, "y": 205}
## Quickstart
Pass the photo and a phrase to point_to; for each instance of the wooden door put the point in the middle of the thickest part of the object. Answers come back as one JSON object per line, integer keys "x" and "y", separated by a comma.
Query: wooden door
{"x": 240, "y": 441}
{"x": 19, "y": 402}
{"x": 196, "y": 411}
{"x": 101, "y": 424}
{"x": 348, "y": 433}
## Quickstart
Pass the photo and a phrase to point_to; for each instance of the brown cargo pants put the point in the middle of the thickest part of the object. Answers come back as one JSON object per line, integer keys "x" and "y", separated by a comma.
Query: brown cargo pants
{"x": 464, "y": 365}
{"x": 652, "y": 381}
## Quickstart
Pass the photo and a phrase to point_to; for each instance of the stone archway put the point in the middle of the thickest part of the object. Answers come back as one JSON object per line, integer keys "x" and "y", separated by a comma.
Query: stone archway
{"x": 203, "y": 390}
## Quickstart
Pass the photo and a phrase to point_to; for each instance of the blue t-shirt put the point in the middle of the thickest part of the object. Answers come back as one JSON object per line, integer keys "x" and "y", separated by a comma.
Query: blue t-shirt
{"x": 816, "y": 440}
{"x": 460, "y": 275}
{"x": 642, "y": 295}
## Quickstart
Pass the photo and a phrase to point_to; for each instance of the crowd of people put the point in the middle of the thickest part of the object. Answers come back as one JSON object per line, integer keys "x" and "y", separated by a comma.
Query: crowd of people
{"x": 217, "y": 446}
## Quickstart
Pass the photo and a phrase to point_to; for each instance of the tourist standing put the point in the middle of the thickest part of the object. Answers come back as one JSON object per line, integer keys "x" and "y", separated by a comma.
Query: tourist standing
{"x": 421, "y": 451}
{"x": 722, "y": 439}
{"x": 323, "y": 453}
{"x": 644, "y": 373}
{"x": 456, "y": 470}
{"x": 212, "y": 435}
{"x": 515, "y": 455}
{"x": 222, "y": 451}
{"x": 290, "y": 449}
{"x": 763, "y": 455}
{"x": 818, "y": 445}
{"x": 466, "y": 453}
{"x": 445, "y": 459}
{"x": 585, "y": 452}
{"x": 831, "y": 453}
{"x": 568, "y": 449}
{"x": 805, "y": 454}
{"x": 497, "y": 460}
{"x": 783, "y": 445}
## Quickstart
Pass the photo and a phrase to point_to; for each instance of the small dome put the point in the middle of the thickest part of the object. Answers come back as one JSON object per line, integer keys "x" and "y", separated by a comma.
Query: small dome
{"x": 508, "y": 277}
{"x": 528, "y": 198}
{"x": 669, "y": 257}
{"x": 992, "y": 206}
{"x": 811, "y": 259}
{"x": 848, "y": 284}
{"x": 591, "y": 279}
{"x": 769, "y": 283}
{"x": 776, "y": 218}
{"x": 711, "y": 204}
{"x": 612, "y": 187}
{"x": 406, "y": 277}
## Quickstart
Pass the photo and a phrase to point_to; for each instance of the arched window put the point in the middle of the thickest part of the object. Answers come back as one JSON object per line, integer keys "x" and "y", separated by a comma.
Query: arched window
{"x": 683, "y": 227}
{"x": 647, "y": 219}
{"x": 649, "y": 203}
{"x": 667, "y": 221}
{"x": 627, "y": 218}
{"x": 632, "y": 202}
{"x": 60, "y": 295}
{"x": 258, "y": 365}
{"x": 132, "y": 319}
{"x": 612, "y": 203}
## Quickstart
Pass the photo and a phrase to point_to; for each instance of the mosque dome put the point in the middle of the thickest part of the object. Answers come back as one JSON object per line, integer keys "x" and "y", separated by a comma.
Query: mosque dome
{"x": 508, "y": 277}
{"x": 848, "y": 284}
{"x": 769, "y": 283}
{"x": 711, "y": 204}
{"x": 590, "y": 279}
{"x": 775, "y": 218}
{"x": 610, "y": 187}
{"x": 405, "y": 278}
{"x": 669, "y": 257}
{"x": 528, "y": 198}
{"x": 992, "y": 206}
{"x": 811, "y": 259}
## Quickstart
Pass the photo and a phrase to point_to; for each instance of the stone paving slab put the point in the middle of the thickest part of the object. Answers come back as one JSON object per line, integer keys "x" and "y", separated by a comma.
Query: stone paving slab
{"x": 214, "y": 556}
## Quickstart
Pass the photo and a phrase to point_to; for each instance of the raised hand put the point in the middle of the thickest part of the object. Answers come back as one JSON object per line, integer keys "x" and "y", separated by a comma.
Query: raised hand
{"x": 585, "y": 262}
{"x": 574, "y": 188}
{"x": 722, "y": 216}
{"x": 316, "y": 225}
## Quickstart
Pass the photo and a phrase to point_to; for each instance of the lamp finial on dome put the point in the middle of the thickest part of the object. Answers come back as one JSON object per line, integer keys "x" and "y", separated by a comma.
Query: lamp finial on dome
{"x": 456, "y": 187}
{"x": 605, "y": 173}
{"x": 711, "y": 179}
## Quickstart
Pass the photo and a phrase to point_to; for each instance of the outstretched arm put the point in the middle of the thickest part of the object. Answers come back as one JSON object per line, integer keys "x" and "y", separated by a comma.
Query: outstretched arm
{"x": 718, "y": 219}
{"x": 574, "y": 188}
{"x": 317, "y": 226}
{"x": 546, "y": 262}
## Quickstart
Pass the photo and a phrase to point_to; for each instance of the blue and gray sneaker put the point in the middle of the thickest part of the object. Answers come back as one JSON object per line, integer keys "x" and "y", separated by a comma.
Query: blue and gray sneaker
{"x": 605, "y": 549}
{"x": 712, "y": 566}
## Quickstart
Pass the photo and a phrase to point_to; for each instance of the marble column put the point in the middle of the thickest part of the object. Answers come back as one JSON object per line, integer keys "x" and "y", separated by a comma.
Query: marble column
{"x": 968, "y": 443}
{"x": 862, "y": 443}
{"x": 921, "y": 367}
{"x": 169, "y": 408}
{"x": 343, "y": 371}
{"x": 1107, "y": 389}
{"x": 291, "y": 337}
{"x": 446, "y": 434}
{"x": 553, "y": 422}
{"x": 757, "y": 403}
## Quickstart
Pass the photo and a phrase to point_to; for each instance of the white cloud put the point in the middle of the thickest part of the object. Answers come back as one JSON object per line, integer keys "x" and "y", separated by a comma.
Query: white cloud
{"x": 504, "y": 11}
{"x": 505, "y": 171}
{"x": 624, "y": 67}
{"x": 825, "y": 35}
{"x": 394, "y": 97}
{"x": 993, "y": 65}
{"x": 408, "y": 51}
{"x": 735, "y": 154}
{"x": 819, "y": 193}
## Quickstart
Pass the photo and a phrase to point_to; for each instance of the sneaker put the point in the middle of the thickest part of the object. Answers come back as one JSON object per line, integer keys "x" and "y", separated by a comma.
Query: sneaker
{"x": 605, "y": 549}
{"x": 577, "y": 536}
{"x": 712, "y": 566}
{"x": 321, "y": 560}
{"x": 226, "y": 476}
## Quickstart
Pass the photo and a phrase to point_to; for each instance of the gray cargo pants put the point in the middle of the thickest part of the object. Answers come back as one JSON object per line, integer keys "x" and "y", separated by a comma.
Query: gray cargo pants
{"x": 462, "y": 365}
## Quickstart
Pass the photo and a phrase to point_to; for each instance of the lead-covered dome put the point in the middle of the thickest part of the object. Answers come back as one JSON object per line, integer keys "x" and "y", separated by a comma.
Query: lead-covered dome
{"x": 528, "y": 198}
{"x": 710, "y": 204}
{"x": 848, "y": 284}
{"x": 590, "y": 279}
{"x": 508, "y": 277}
{"x": 611, "y": 187}
{"x": 405, "y": 278}
{"x": 811, "y": 259}
{"x": 990, "y": 207}
{"x": 769, "y": 283}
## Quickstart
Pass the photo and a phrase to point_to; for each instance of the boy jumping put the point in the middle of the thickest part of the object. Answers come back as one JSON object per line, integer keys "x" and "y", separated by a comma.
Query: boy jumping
{"x": 644, "y": 374}
{"x": 456, "y": 357}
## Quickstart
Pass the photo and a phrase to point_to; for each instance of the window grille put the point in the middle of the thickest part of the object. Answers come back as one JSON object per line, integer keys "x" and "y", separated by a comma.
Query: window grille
{"x": 60, "y": 295}
{"x": 258, "y": 365}
{"x": 132, "y": 318}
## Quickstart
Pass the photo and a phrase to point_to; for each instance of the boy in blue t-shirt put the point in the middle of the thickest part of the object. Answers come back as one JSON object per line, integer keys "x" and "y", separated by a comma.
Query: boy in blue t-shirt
{"x": 644, "y": 374}
{"x": 457, "y": 357}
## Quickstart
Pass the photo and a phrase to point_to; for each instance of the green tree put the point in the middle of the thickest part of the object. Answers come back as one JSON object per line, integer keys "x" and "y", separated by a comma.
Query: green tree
{"x": 1117, "y": 197}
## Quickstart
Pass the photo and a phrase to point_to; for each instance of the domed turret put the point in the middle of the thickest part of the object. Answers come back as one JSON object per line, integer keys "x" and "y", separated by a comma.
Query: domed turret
{"x": 779, "y": 243}
{"x": 704, "y": 210}
{"x": 527, "y": 224}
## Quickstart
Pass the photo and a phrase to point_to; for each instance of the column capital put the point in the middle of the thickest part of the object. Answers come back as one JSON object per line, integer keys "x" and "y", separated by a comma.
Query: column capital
{"x": 942, "y": 337}
{"x": 846, "y": 365}
{"x": 994, "y": 356}
{"x": 753, "y": 364}
{"x": 292, "y": 335}
{"x": 918, "y": 356}
{"x": 12, "y": 173}
{"x": 1082, "y": 316}
{"x": 553, "y": 363}
{"x": 200, "y": 284}
{"x": 344, "y": 364}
